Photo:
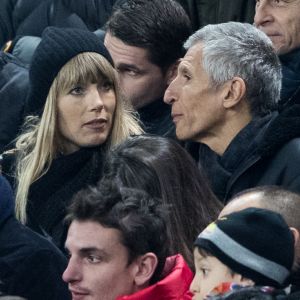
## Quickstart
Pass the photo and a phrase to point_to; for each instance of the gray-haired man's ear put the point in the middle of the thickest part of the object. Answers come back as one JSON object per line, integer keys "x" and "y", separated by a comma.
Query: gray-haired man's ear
{"x": 235, "y": 90}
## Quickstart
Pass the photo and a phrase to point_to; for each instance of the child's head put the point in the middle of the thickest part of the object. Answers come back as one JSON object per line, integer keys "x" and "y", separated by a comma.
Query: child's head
{"x": 252, "y": 246}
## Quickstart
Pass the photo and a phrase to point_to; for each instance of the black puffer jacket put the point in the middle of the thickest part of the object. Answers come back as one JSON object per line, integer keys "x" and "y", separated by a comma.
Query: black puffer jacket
{"x": 263, "y": 153}
{"x": 31, "y": 17}
{"x": 13, "y": 91}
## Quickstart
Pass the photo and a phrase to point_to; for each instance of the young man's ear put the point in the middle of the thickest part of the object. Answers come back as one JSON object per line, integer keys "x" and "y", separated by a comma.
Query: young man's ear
{"x": 171, "y": 73}
{"x": 234, "y": 92}
{"x": 146, "y": 266}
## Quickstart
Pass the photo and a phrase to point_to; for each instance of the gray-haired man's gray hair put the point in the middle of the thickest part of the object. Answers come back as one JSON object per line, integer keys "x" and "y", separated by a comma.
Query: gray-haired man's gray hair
{"x": 240, "y": 50}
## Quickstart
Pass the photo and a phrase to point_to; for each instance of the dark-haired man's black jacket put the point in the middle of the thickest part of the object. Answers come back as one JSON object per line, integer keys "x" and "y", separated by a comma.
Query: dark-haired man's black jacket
{"x": 265, "y": 152}
{"x": 156, "y": 119}
{"x": 13, "y": 91}
{"x": 30, "y": 266}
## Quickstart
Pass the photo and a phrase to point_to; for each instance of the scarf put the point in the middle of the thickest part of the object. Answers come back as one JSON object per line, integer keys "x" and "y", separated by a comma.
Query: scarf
{"x": 51, "y": 194}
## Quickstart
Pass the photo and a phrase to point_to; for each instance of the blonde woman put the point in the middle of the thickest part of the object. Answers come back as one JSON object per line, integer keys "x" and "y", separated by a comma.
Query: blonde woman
{"x": 76, "y": 115}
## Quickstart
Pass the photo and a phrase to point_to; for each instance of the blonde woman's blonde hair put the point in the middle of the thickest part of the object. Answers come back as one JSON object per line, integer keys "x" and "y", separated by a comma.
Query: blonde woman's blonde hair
{"x": 39, "y": 144}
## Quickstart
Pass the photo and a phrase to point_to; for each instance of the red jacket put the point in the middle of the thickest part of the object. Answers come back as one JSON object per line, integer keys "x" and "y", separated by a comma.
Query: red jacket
{"x": 174, "y": 286}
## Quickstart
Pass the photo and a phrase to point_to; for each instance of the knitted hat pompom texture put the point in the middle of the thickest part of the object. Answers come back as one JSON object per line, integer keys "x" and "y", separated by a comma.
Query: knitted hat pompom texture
{"x": 57, "y": 47}
{"x": 255, "y": 243}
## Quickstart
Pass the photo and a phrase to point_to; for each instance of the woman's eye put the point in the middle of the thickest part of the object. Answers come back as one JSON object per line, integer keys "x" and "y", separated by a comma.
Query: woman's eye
{"x": 77, "y": 91}
{"x": 106, "y": 86}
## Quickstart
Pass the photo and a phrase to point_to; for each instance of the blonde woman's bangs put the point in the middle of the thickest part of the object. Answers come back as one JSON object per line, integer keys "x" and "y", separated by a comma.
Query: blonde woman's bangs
{"x": 84, "y": 68}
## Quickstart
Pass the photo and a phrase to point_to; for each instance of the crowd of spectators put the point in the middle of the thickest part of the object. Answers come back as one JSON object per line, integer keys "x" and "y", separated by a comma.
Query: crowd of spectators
{"x": 149, "y": 149}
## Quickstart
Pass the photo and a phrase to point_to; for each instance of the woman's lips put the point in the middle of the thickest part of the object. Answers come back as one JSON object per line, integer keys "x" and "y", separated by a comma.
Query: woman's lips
{"x": 96, "y": 124}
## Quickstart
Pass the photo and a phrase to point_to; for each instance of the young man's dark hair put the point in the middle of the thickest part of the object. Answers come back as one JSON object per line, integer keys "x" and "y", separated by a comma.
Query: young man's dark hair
{"x": 140, "y": 218}
{"x": 159, "y": 26}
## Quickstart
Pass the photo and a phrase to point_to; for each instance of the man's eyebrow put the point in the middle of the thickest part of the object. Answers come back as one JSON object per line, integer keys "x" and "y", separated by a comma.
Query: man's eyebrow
{"x": 127, "y": 66}
{"x": 86, "y": 250}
